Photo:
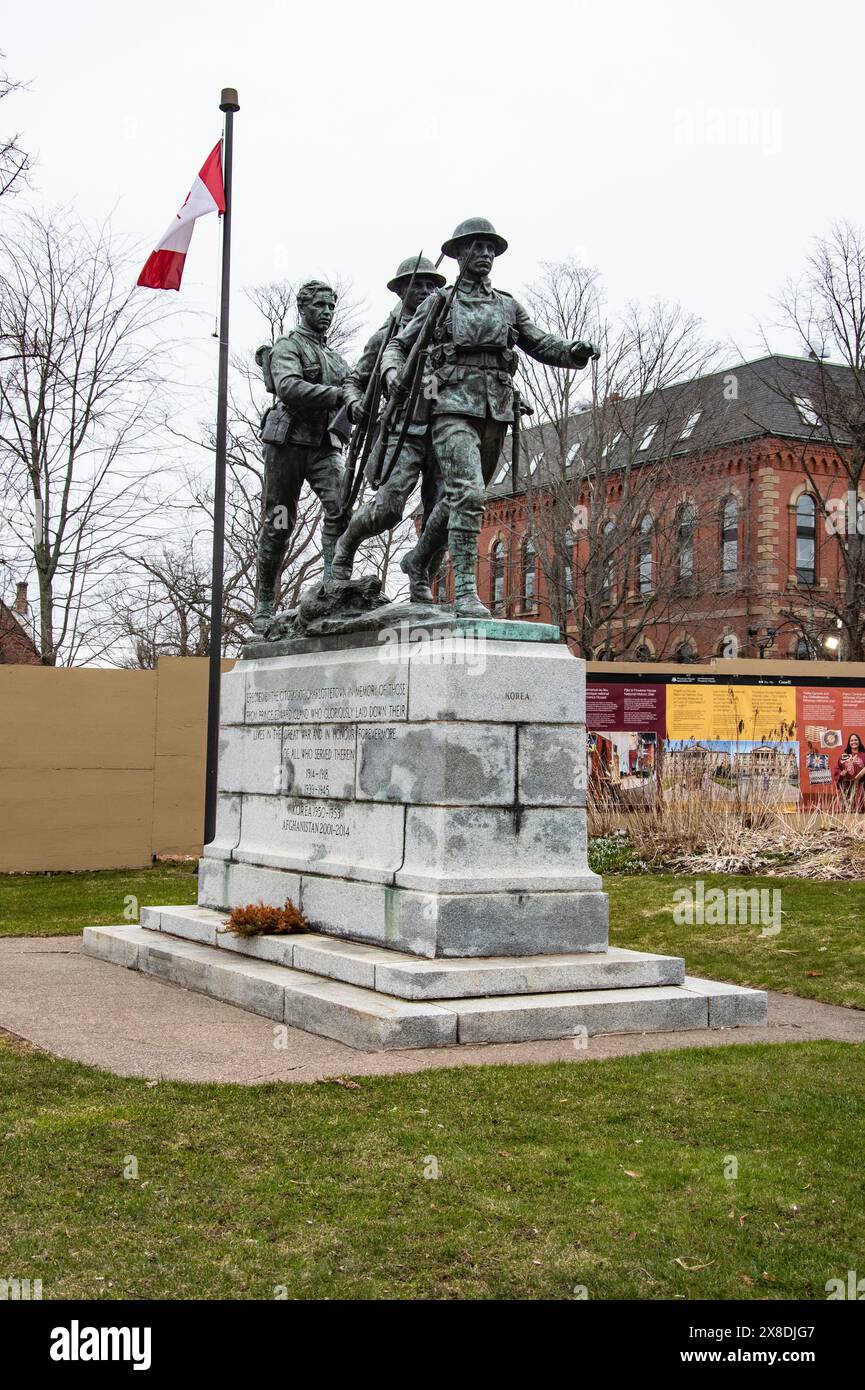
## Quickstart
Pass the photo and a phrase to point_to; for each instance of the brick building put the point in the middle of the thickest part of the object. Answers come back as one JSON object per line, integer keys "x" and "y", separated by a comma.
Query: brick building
{"x": 17, "y": 644}
{"x": 702, "y": 520}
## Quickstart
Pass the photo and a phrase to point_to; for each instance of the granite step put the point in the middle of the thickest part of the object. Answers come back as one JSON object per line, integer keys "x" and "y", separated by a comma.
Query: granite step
{"x": 369, "y": 1019}
{"x": 358, "y": 1017}
{"x": 412, "y": 977}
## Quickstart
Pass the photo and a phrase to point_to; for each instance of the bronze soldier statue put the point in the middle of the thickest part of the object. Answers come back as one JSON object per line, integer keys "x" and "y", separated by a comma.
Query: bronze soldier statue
{"x": 415, "y": 279}
{"x": 306, "y": 377}
{"x": 472, "y": 360}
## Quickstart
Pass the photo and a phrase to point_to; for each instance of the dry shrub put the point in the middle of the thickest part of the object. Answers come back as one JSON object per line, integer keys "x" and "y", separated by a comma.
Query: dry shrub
{"x": 706, "y": 831}
{"x": 256, "y": 919}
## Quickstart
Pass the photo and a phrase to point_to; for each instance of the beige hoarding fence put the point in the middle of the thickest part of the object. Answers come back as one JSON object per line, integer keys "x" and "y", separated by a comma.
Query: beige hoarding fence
{"x": 101, "y": 769}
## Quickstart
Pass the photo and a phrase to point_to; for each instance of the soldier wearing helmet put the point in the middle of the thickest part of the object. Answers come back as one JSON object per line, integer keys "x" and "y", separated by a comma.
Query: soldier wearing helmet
{"x": 414, "y": 280}
{"x": 472, "y": 359}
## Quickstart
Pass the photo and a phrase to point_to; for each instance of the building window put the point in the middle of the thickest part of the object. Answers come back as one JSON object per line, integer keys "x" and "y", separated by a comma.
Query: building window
{"x": 442, "y": 581}
{"x": 687, "y": 525}
{"x": 730, "y": 536}
{"x": 644, "y": 576}
{"x": 688, "y": 427}
{"x": 686, "y": 653}
{"x": 807, "y": 413}
{"x": 642, "y": 653}
{"x": 530, "y": 574}
{"x": 806, "y": 539}
{"x": 570, "y": 559}
{"x": 497, "y": 565}
{"x": 846, "y": 518}
{"x": 611, "y": 444}
{"x": 803, "y": 650}
{"x": 728, "y": 647}
{"x": 608, "y": 557}
{"x": 648, "y": 437}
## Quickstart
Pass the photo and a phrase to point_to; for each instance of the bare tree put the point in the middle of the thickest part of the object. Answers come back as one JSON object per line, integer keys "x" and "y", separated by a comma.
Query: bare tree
{"x": 15, "y": 162}
{"x": 77, "y": 385}
{"x": 605, "y": 467}
{"x": 162, "y": 606}
{"x": 826, "y": 309}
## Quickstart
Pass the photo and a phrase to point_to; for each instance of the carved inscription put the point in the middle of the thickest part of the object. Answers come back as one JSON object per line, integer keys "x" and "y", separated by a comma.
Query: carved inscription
{"x": 319, "y": 760}
{"x": 355, "y": 700}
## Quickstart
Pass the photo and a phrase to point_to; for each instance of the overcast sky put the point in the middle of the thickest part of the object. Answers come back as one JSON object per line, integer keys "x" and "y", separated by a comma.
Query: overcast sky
{"x": 689, "y": 150}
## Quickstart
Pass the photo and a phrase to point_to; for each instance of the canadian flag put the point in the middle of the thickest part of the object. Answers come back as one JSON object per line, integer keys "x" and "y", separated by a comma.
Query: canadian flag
{"x": 164, "y": 267}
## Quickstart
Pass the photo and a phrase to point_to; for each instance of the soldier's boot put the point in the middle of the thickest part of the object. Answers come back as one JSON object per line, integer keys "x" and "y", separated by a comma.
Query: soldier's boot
{"x": 418, "y": 563}
{"x": 329, "y": 542}
{"x": 263, "y": 616}
{"x": 417, "y": 572}
{"x": 356, "y": 532}
{"x": 463, "y": 546}
{"x": 268, "y": 562}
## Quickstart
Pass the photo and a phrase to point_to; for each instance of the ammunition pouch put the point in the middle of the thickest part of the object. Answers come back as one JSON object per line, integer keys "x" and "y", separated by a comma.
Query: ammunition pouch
{"x": 492, "y": 359}
{"x": 275, "y": 425}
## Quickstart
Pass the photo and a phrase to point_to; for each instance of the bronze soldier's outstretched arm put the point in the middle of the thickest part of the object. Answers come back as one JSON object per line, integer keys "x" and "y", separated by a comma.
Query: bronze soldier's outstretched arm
{"x": 547, "y": 348}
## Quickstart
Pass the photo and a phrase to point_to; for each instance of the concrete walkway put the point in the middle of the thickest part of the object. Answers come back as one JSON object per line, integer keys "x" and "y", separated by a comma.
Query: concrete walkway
{"x": 57, "y": 998}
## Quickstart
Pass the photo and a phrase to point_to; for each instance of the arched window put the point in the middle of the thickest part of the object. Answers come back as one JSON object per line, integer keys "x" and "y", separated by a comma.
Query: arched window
{"x": 806, "y": 539}
{"x": 570, "y": 560}
{"x": 497, "y": 567}
{"x": 647, "y": 527}
{"x": 685, "y": 653}
{"x": 730, "y": 536}
{"x": 803, "y": 650}
{"x": 442, "y": 580}
{"x": 642, "y": 653}
{"x": 687, "y": 525}
{"x": 530, "y": 573}
{"x": 609, "y": 559}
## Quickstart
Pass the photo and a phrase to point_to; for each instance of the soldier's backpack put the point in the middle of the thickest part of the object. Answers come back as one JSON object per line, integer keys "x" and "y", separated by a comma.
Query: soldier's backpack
{"x": 275, "y": 421}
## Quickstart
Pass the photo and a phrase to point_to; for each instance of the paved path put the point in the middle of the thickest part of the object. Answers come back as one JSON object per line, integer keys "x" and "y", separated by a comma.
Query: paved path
{"x": 125, "y": 1022}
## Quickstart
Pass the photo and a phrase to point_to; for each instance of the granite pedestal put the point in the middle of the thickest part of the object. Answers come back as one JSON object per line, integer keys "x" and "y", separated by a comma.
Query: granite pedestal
{"x": 420, "y": 795}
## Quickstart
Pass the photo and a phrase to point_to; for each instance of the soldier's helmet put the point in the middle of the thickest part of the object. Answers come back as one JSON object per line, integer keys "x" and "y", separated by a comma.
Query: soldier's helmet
{"x": 468, "y": 230}
{"x": 406, "y": 269}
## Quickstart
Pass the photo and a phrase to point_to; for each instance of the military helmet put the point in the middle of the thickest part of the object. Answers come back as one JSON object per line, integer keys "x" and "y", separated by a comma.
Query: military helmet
{"x": 474, "y": 227}
{"x": 406, "y": 269}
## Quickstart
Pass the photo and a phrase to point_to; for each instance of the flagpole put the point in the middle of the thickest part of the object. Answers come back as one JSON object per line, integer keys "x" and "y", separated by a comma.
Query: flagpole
{"x": 228, "y": 104}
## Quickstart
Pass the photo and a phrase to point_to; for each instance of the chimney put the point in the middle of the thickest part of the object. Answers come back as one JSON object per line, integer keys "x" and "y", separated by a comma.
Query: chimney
{"x": 21, "y": 604}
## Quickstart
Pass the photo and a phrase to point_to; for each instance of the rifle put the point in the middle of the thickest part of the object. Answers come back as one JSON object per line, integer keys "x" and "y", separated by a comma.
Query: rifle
{"x": 365, "y": 429}
{"x": 521, "y": 408}
{"x": 515, "y": 450}
{"x": 412, "y": 373}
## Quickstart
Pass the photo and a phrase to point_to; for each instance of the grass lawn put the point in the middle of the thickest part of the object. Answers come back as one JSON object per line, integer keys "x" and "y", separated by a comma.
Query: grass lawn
{"x": 819, "y": 952}
{"x": 609, "y": 1175}
{"x": 64, "y": 904}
